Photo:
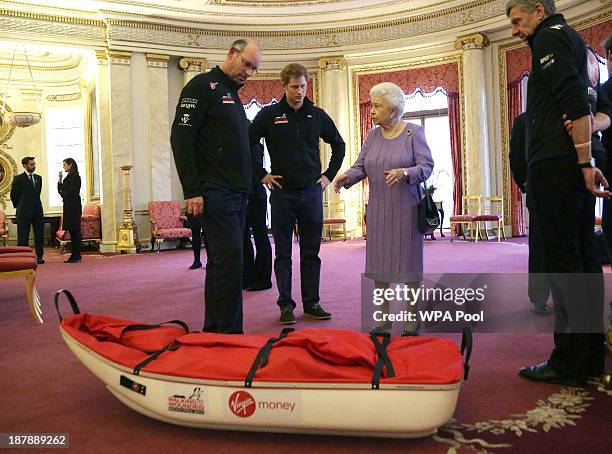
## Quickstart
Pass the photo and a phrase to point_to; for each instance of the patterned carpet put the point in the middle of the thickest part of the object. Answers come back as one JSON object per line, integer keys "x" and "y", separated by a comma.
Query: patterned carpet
{"x": 46, "y": 389}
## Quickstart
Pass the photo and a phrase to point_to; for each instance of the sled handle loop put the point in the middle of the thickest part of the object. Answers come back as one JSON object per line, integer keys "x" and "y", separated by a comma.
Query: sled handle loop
{"x": 73, "y": 304}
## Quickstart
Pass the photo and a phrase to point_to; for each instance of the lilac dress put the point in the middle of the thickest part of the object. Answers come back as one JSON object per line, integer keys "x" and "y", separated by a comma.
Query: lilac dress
{"x": 394, "y": 246}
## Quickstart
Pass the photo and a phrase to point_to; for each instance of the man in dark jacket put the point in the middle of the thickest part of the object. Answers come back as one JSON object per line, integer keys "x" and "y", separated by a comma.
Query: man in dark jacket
{"x": 564, "y": 182}
{"x": 210, "y": 142}
{"x": 538, "y": 286}
{"x": 25, "y": 195}
{"x": 292, "y": 129}
{"x": 257, "y": 265}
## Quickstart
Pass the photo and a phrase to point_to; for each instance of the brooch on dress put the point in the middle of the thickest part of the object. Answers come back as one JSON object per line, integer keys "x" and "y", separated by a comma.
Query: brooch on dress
{"x": 409, "y": 132}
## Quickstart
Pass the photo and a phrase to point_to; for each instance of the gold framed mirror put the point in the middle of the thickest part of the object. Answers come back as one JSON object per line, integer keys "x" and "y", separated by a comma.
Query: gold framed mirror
{"x": 8, "y": 170}
{"x": 6, "y": 129}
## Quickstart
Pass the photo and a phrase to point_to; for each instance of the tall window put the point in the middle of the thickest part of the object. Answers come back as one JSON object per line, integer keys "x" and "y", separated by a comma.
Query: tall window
{"x": 65, "y": 139}
{"x": 430, "y": 110}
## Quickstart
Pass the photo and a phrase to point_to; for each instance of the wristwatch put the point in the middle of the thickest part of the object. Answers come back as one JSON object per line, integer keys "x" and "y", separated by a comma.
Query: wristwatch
{"x": 405, "y": 172}
{"x": 586, "y": 165}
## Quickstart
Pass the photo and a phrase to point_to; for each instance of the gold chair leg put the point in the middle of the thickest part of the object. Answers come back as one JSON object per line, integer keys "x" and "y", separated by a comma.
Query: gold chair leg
{"x": 158, "y": 243}
{"x": 33, "y": 297}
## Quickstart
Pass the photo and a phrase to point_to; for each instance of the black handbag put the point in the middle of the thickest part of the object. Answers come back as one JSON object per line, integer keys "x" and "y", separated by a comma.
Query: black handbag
{"x": 429, "y": 217}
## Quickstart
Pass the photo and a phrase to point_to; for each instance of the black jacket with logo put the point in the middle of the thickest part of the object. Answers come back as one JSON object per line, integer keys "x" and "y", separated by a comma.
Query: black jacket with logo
{"x": 209, "y": 137}
{"x": 558, "y": 84}
{"x": 292, "y": 138}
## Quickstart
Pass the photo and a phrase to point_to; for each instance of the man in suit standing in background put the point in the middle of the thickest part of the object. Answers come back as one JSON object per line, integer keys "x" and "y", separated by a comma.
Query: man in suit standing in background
{"x": 25, "y": 195}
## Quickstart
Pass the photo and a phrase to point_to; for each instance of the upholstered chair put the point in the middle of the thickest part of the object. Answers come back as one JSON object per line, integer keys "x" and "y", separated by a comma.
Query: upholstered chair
{"x": 3, "y": 227}
{"x": 166, "y": 222}
{"x": 91, "y": 227}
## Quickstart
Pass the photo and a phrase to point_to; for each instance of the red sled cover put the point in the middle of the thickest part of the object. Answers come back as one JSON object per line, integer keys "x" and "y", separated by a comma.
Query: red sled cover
{"x": 308, "y": 356}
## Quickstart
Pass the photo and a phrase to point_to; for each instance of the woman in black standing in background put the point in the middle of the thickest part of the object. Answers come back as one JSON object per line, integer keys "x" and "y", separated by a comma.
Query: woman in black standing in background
{"x": 70, "y": 189}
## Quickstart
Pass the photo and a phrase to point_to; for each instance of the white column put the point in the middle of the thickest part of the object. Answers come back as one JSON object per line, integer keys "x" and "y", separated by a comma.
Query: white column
{"x": 335, "y": 101}
{"x": 192, "y": 67}
{"x": 477, "y": 166}
{"x": 115, "y": 114}
{"x": 158, "y": 127}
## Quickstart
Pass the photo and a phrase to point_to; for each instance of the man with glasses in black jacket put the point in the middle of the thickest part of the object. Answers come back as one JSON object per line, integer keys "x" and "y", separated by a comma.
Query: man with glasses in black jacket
{"x": 210, "y": 142}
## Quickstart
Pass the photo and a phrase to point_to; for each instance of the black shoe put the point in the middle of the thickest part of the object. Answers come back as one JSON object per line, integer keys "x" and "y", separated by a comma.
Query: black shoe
{"x": 195, "y": 266}
{"x": 317, "y": 312}
{"x": 73, "y": 260}
{"x": 382, "y": 328}
{"x": 414, "y": 331}
{"x": 541, "y": 309}
{"x": 543, "y": 373}
{"x": 287, "y": 317}
{"x": 40, "y": 261}
{"x": 256, "y": 288}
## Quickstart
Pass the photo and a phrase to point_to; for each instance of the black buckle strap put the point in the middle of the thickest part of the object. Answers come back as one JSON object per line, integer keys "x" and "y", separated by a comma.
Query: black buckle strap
{"x": 71, "y": 300}
{"x": 466, "y": 346}
{"x": 145, "y": 327}
{"x": 383, "y": 358}
{"x": 261, "y": 360}
{"x": 154, "y": 356}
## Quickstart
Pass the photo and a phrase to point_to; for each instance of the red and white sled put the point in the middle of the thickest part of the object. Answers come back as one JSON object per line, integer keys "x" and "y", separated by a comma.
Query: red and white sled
{"x": 322, "y": 381}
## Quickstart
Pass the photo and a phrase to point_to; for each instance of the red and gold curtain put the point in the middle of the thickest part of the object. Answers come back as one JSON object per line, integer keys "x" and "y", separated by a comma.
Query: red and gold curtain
{"x": 265, "y": 90}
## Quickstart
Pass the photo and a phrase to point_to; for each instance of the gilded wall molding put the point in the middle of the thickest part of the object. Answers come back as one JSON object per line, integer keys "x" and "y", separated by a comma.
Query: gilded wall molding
{"x": 336, "y": 20}
{"x": 472, "y": 41}
{"x": 214, "y": 35}
{"x": 157, "y": 60}
{"x": 64, "y": 97}
{"x": 329, "y": 63}
{"x": 119, "y": 57}
{"x": 193, "y": 64}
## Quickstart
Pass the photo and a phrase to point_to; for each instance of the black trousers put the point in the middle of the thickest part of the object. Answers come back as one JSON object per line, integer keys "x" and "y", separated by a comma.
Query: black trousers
{"x": 257, "y": 266}
{"x": 539, "y": 286}
{"x": 75, "y": 243}
{"x": 197, "y": 236}
{"x": 23, "y": 234}
{"x": 304, "y": 206}
{"x": 223, "y": 220}
{"x": 565, "y": 223}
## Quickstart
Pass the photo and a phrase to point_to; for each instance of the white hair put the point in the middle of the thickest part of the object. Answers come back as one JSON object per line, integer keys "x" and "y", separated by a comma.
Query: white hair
{"x": 392, "y": 94}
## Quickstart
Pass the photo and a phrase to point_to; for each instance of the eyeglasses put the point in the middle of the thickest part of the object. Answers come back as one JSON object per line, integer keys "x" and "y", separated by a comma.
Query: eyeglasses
{"x": 248, "y": 64}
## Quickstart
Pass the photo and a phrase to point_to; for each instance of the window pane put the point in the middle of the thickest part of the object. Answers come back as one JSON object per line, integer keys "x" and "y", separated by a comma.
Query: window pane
{"x": 437, "y": 133}
{"x": 65, "y": 139}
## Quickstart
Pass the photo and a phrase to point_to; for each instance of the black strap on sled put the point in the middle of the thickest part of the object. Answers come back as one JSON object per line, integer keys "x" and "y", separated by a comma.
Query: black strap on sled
{"x": 155, "y": 353}
{"x": 264, "y": 354}
{"x": 466, "y": 346}
{"x": 146, "y": 327}
{"x": 383, "y": 358}
{"x": 153, "y": 357}
{"x": 71, "y": 300}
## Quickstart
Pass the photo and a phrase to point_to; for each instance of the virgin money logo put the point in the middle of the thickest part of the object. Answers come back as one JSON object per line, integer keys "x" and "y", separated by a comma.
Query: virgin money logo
{"x": 242, "y": 404}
